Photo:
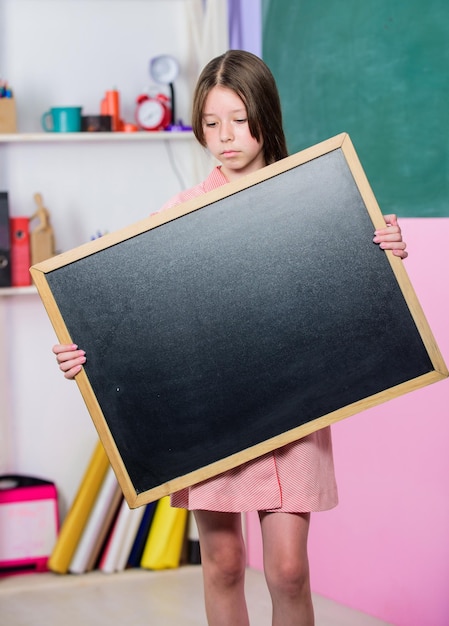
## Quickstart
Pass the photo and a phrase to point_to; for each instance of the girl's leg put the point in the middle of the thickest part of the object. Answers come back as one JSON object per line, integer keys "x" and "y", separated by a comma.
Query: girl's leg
{"x": 223, "y": 561}
{"x": 286, "y": 567}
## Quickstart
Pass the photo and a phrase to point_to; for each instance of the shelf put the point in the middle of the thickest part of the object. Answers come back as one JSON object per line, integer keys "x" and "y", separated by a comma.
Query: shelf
{"x": 17, "y": 291}
{"x": 86, "y": 137}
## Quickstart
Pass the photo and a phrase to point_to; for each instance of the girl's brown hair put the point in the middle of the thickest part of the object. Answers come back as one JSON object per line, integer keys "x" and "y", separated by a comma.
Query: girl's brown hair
{"x": 249, "y": 77}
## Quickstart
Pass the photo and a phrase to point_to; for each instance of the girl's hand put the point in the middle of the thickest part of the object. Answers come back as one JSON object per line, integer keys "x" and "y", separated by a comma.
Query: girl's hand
{"x": 390, "y": 237}
{"x": 70, "y": 359}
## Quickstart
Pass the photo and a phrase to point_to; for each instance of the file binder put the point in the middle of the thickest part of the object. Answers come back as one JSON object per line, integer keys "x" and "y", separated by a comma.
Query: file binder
{"x": 5, "y": 247}
{"x": 19, "y": 235}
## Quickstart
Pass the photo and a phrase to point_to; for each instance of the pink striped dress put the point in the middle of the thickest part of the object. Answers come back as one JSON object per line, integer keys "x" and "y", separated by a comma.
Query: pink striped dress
{"x": 296, "y": 478}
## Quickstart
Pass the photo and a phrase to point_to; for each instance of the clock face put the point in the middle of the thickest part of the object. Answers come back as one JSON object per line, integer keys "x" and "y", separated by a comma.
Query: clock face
{"x": 150, "y": 114}
{"x": 164, "y": 69}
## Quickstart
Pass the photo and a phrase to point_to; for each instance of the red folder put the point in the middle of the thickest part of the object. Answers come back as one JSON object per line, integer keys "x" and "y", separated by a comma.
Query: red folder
{"x": 20, "y": 251}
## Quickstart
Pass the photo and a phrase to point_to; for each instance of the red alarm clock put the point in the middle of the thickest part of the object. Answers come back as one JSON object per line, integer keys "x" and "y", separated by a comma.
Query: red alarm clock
{"x": 153, "y": 112}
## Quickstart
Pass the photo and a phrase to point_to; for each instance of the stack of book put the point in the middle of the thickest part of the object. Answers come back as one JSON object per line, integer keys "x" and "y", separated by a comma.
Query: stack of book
{"x": 101, "y": 532}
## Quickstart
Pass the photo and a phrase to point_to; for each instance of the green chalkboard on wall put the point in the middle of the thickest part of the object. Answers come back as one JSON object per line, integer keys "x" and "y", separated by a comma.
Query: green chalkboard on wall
{"x": 379, "y": 70}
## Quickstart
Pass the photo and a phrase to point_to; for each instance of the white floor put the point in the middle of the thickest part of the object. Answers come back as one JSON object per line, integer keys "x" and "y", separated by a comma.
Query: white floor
{"x": 138, "y": 598}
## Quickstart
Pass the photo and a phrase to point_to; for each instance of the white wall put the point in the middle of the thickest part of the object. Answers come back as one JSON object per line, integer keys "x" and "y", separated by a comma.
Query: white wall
{"x": 69, "y": 52}
{"x": 57, "y": 52}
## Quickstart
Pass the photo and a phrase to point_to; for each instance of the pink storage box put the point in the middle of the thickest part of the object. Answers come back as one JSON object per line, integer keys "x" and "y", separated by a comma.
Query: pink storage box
{"x": 29, "y": 524}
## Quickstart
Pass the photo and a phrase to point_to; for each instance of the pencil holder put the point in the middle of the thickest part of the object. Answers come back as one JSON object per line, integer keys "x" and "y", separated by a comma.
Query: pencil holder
{"x": 8, "y": 122}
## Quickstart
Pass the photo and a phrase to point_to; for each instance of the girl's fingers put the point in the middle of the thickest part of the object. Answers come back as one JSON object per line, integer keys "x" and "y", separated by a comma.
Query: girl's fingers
{"x": 72, "y": 372}
{"x": 67, "y": 353}
{"x": 69, "y": 359}
{"x": 61, "y": 347}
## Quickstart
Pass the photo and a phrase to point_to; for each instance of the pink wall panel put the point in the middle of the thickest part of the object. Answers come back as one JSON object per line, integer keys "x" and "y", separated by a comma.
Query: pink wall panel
{"x": 385, "y": 549}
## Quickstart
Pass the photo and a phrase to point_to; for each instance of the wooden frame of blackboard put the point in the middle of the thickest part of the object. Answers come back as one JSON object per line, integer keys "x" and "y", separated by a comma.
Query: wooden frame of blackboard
{"x": 289, "y": 320}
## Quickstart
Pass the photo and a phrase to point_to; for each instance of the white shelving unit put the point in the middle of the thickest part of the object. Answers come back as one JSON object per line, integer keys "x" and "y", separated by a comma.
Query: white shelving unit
{"x": 81, "y": 138}
{"x": 70, "y": 53}
{"x": 94, "y": 137}
{"x": 89, "y": 182}
{"x": 61, "y": 54}
{"x": 17, "y": 291}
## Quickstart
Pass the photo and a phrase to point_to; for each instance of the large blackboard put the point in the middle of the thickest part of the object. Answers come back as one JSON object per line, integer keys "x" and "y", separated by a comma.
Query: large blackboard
{"x": 239, "y": 321}
{"x": 377, "y": 69}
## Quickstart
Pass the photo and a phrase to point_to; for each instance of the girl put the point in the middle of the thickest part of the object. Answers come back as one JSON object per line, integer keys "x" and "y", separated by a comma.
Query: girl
{"x": 237, "y": 117}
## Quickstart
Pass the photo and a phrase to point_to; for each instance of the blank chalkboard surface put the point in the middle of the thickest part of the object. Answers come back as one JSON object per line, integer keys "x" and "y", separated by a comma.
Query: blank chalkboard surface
{"x": 379, "y": 70}
{"x": 239, "y": 321}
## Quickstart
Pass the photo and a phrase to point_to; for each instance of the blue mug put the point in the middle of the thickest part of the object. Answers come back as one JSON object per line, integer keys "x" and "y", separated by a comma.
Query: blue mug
{"x": 62, "y": 120}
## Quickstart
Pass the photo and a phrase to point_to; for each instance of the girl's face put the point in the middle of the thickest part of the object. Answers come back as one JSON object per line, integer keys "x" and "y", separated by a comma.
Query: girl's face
{"x": 227, "y": 134}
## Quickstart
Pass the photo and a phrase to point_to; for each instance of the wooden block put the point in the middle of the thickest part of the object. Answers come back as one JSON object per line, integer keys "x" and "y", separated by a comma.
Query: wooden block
{"x": 8, "y": 119}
